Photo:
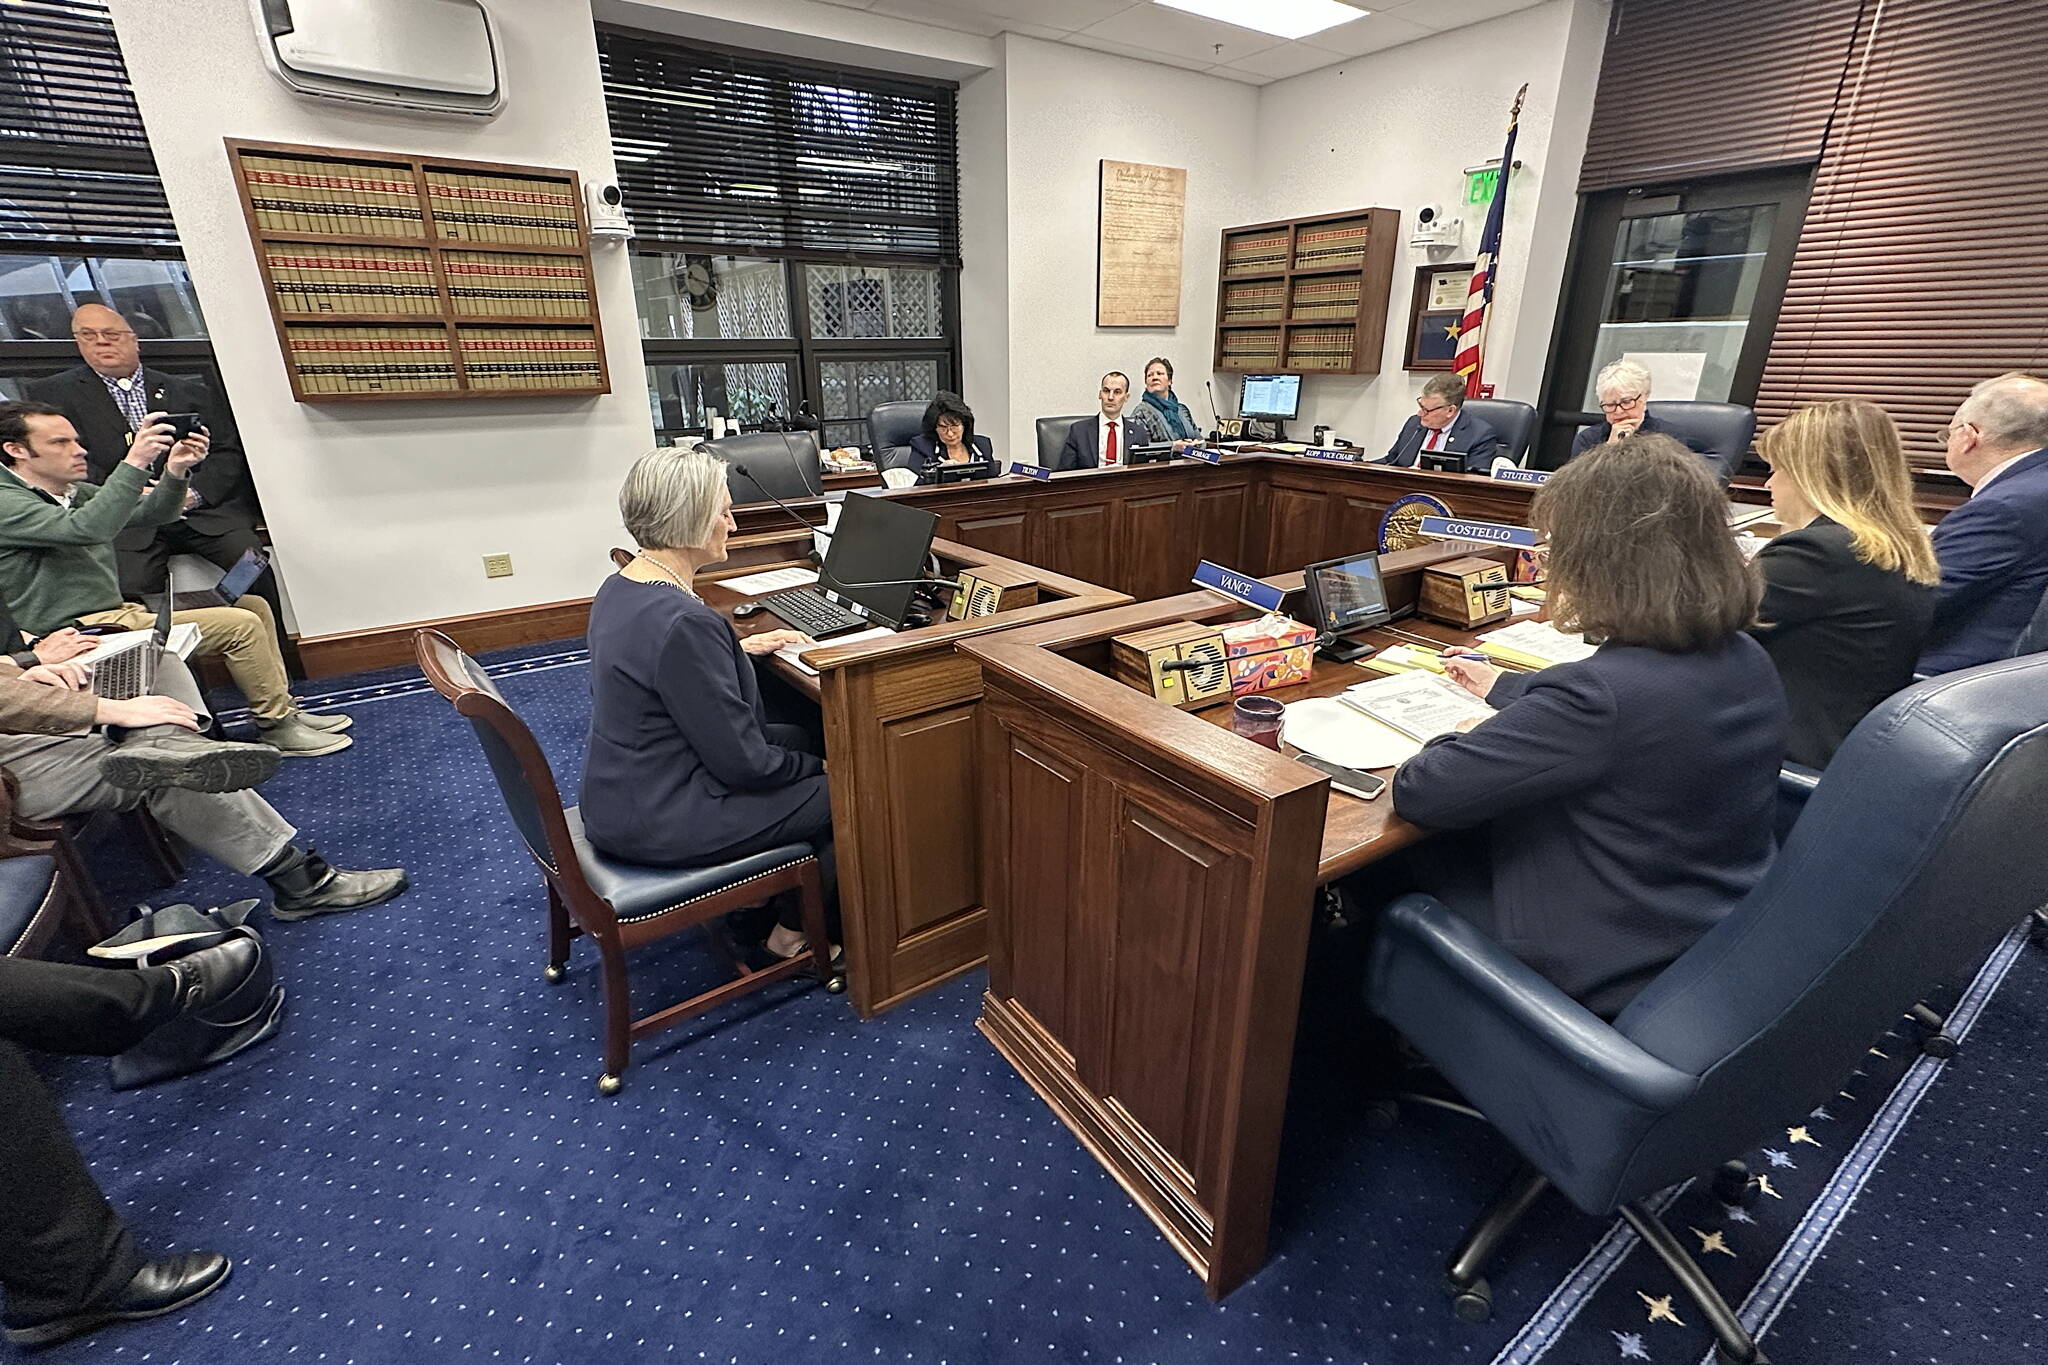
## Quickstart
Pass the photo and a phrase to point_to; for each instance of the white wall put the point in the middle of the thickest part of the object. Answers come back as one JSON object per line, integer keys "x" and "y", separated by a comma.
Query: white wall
{"x": 382, "y": 512}
{"x": 984, "y": 114}
{"x": 1069, "y": 108}
{"x": 1396, "y": 129}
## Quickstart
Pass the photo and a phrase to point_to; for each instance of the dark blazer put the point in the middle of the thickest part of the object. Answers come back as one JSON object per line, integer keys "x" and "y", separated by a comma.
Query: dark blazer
{"x": 1994, "y": 569}
{"x": 222, "y": 479}
{"x": 1844, "y": 634}
{"x": 1472, "y": 437}
{"x": 1589, "y": 437}
{"x": 924, "y": 452}
{"x": 1083, "y": 446}
{"x": 1627, "y": 800}
{"x": 678, "y": 768}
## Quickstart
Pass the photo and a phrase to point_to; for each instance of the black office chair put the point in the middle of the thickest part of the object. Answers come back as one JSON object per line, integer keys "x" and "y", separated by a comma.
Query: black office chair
{"x": 2034, "y": 639}
{"x": 1052, "y": 436}
{"x": 1516, "y": 423}
{"x": 784, "y": 463}
{"x": 1918, "y": 848}
{"x": 890, "y": 427}
{"x": 1721, "y": 430}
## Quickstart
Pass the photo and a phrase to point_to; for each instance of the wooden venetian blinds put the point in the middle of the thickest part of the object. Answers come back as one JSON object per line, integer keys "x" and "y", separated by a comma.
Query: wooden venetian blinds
{"x": 1920, "y": 266}
{"x": 1699, "y": 87}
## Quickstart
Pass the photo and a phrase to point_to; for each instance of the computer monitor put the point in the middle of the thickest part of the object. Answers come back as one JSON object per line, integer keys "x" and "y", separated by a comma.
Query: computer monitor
{"x": 881, "y": 541}
{"x": 1346, "y": 596}
{"x": 1155, "y": 452}
{"x": 1275, "y": 396}
{"x": 962, "y": 471}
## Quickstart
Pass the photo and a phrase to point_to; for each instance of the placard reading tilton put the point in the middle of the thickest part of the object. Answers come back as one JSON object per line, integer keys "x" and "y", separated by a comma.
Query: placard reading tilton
{"x": 1137, "y": 252}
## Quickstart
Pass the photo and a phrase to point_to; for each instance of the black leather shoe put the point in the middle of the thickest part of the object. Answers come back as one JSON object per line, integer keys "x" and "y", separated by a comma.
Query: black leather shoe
{"x": 211, "y": 975}
{"x": 159, "y": 1287}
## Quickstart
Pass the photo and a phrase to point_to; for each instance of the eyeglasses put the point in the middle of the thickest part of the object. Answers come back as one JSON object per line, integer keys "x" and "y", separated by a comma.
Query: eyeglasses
{"x": 102, "y": 334}
{"x": 1440, "y": 407}
{"x": 1620, "y": 404}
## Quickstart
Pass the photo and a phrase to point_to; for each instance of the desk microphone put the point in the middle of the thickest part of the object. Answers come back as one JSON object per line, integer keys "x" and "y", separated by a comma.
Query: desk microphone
{"x": 1189, "y": 665}
{"x": 811, "y": 554}
{"x": 1215, "y": 427}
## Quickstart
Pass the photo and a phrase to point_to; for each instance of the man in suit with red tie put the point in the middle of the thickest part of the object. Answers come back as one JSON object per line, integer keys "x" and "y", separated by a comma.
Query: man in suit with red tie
{"x": 1104, "y": 441}
{"x": 1442, "y": 426}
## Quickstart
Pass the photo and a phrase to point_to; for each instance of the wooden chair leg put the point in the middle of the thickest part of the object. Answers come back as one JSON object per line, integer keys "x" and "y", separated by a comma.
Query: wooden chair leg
{"x": 618, "y": 1017}
{"x": 811, "y": 908}
{"x": 558, "y": 937}
{"x": 91, "y": 906}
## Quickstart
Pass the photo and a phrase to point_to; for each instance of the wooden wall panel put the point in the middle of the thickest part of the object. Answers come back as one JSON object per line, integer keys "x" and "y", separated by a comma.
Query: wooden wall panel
{"x": 933, "y": 780}
{"x": 1080, "y": 539}
{"x": 1004, "y": 532}
{"x": 1044, "y": 794}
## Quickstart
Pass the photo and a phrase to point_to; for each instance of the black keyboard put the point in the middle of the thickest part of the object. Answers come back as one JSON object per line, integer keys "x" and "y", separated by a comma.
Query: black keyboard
{"x": 811, "y": 612}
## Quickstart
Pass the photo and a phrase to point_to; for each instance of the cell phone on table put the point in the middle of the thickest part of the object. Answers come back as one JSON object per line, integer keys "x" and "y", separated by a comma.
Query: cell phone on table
{"x": 1350, "y": 781}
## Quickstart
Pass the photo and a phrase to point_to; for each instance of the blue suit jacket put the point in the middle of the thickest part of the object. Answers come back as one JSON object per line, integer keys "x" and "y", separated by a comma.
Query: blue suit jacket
{"x": 1627, "y": 800}
{"x": 1994, "y": 569}
{"x": 1469, "y": 436}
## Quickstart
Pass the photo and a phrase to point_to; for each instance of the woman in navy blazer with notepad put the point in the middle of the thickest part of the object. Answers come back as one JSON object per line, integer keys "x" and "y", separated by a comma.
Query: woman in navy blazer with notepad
{"x": 1616, "y": 807}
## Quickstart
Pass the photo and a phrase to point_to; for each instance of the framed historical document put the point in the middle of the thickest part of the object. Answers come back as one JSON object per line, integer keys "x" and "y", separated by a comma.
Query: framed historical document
{"x": 1141, "y": 211}
{"x": 1434, "y": 311}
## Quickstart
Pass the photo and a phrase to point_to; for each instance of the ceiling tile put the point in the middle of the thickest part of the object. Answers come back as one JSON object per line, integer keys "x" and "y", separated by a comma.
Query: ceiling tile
{"x": 1441, "y": 15}
{"x": 1123, "y": 49}
{"x": 1232, "y": 73}
{"x": 939, "y": 16}
{"x": 1021, "y": 15}
{"x": 1288, "y": 59}
{"x": 1145, "y": 30}
{"x": 1370, "y": 34}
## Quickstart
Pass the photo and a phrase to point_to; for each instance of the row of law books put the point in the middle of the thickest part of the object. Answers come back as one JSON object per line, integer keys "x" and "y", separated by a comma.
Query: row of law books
{"x": 358, "y": 199}
{"x": 1259, "y": 302}
{"x": 1326, "y": 298}
{"x": 506, "y": 284}
{"x": 1332, "y": 245}
{"x": 530, "y": 357}
{"x": 312, "y": 278}
{"x": 512, "y": 210}
{"x": 1251, "y": 255}
{"x": 351, "y": 360}
{"x": 1321, "y": 349}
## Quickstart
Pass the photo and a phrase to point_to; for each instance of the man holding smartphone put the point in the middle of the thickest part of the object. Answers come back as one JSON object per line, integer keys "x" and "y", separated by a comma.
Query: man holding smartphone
{"x": 57, "y": 568}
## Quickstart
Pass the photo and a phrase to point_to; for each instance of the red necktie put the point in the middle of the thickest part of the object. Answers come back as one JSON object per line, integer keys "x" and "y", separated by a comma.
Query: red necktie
{"x": 1109, "y": 450}
{"x": 1430, "y": 444}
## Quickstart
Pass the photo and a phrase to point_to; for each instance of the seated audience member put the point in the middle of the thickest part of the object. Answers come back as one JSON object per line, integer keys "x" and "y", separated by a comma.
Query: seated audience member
{"x": 1162, "y": 410}
{"x": 148, "y": 753}
{"x": 1994, "y": 548}
{"x": 67, "y": 1263}
{"x": 683, "y": 765}
{"x": 57, "y": 565}
{"x": 1104, "y": 440}
{"x": 1624, "y": 392}
{"x": 107, "y": 399}
{"x": 1849, "y": 585}
{"x": 948, "y": 436}
{"x": 1619, "y": 806}
{"x": 1441, "y": 423}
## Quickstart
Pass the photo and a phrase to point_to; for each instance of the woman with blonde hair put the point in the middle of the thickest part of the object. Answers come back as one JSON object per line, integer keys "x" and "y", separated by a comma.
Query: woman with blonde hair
{"x": 1849, "y": 587}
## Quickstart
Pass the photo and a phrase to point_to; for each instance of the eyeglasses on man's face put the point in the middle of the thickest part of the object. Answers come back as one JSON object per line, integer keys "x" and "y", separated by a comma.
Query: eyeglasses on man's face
{"x": 102, "y": 334}
{"x": 1426, "y": 410}
{"x": 1620, "y": 404}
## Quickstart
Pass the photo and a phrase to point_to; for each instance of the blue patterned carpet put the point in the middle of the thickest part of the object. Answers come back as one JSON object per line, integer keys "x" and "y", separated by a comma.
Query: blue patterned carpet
{"x": 419, "y": 1169}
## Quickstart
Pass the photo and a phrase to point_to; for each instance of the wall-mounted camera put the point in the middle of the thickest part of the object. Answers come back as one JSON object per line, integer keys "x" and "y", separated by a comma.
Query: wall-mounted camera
{"x": 1434, "y": 227}
{"x": 608, "y": 221}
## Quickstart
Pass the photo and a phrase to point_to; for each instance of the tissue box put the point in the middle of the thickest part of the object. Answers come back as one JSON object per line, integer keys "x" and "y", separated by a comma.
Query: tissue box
{"x": 1253, "y": 671}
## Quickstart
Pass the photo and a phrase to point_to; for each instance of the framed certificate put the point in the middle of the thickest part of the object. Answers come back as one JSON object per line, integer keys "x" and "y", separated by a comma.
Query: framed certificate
{"x": 1434, "y": 311}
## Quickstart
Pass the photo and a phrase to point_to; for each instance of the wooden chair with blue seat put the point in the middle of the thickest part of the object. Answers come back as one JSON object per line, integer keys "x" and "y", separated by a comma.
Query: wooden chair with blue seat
{"x": 1917, "y": 850}
{"x": 44, "y": 889}
{"x": 618, "y": 905}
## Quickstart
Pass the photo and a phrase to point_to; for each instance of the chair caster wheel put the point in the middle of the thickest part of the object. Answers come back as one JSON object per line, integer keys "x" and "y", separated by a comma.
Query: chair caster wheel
{"x": 835, "y": 984}
{"x": 609, "y": 1085}
{"x": 1474, "y": 1302}
{"x": 1381, "y": 1115}
{"x": 1939, "y": 1046}
{"x": 556, "y": 975}
{"x": 1736, "y": 1187}
{"x": 1723, "y": 1356}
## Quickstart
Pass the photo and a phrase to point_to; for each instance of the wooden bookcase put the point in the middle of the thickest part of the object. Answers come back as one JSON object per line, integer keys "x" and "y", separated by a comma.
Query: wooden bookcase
{"x": 394, "y": 277}
{"x": 1306, "y": 295}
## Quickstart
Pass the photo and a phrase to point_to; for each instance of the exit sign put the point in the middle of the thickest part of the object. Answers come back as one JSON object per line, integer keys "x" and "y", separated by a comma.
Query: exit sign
{"x": 1479, "y": 184}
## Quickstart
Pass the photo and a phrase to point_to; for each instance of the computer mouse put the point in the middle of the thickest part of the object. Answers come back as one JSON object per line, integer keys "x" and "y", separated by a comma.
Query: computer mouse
{"x": 745, "y": 609}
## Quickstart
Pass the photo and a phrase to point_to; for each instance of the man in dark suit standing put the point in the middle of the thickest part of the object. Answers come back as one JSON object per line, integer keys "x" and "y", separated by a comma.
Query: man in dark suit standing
{"x": 1104, "y": 440}
{"x": 1994, "y": 548}
{"x": 106, "y": 399}
{"x": 1441, "y": 425}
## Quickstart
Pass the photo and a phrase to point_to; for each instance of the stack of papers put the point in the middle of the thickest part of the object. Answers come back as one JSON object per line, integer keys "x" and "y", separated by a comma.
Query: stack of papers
{"x": 774, "y": 580}
{"x": 1336, "y": 733}
{"x": 1418, "y": 705}
{"x": 791, "y": 652}
{"x": 1403, "y": 659}
{"x": 1534, "y": 644}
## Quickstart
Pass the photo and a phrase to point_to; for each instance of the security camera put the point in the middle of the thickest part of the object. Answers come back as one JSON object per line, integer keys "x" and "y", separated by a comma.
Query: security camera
{"x": 608, "y": 221}
{"x": 1427, "y": 215}
{"x": 1433, "y": 227}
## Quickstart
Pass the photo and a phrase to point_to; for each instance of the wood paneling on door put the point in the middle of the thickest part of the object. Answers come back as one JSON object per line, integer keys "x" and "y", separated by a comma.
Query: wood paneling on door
{"x": 1080, "y": 539}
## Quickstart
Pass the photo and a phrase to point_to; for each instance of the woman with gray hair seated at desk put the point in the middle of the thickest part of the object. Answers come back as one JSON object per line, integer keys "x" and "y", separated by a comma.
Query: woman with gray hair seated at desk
{"x": 683, "y": 766}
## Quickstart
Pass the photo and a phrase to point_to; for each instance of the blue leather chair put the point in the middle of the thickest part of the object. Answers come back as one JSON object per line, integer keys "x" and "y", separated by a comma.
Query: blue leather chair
{"x": 1918, "y": 848}
{"x": 44, "y": 886}
{"x": 1723, "y": 430}
{"x": 890, "y": 427}
{"x": 620, "y": 905}
{"x": 781, "y": 463}
{"x": 1052, "y": 437}
{"x": 1516, "y": 423}
{"x": 2034, "y": 639}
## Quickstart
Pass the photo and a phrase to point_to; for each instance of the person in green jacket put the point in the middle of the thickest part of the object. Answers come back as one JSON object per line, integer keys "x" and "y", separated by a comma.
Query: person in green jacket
{"x": 57, "y": 563}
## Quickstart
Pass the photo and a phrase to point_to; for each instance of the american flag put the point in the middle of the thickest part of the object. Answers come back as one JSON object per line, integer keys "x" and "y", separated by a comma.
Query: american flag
{"x": 1479, "y": 297}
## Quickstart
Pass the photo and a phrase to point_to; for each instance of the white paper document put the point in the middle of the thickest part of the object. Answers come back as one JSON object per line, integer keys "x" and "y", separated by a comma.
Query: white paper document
{"x": 1541, "y": 641}
{"x": 790, "y": 652}
{"x": 774, "y": 580}
{"x": 1336, "y": 733}
{"x": 1419, "y": 705}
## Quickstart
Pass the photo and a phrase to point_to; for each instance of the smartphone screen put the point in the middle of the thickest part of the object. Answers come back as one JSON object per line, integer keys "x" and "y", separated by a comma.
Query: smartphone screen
{"x": 1351, "y": 781}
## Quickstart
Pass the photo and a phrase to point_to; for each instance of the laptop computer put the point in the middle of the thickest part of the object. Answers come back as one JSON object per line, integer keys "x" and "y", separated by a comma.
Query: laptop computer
{"x": 124, "y": 666}
{"x": 233, "y": 584}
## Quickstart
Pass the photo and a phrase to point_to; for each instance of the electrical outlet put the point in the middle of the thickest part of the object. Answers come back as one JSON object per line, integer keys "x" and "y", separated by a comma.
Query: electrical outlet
{"x": 497, "y": 566}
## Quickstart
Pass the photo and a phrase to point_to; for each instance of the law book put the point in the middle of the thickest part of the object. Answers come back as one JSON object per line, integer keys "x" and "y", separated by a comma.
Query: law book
{"x": 1419, "y": 705}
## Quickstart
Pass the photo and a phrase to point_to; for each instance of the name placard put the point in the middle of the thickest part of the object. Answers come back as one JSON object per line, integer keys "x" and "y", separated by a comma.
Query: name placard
{"x": 1030, "y": 471}
{"x": 1336, "y": 453}
{"x": 1510, "y": 474}
{"x": 1204, "y": 454}
{"x": 1491, "y": 532}
{"x": 1241, "y": 587}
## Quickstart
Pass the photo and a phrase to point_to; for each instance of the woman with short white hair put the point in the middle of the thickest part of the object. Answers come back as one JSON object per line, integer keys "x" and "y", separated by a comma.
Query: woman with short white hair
{"x": 1624, "y": 392}
{"x": 683, "y": 766}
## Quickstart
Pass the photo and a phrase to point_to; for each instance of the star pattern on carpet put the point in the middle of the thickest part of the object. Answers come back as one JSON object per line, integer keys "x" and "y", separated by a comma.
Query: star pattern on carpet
{"x": 1738, "y": 1214}
{"x": 1660, "y": 1309}
{"x": 1778, "y": 1158}
{"x": 1819, "y": 1111}
{"x": 1713, "y": 1241}
{"x": 1630, "y": 1344}
{"x": 1801, "y": 1134}
{"x": 1763, "y": 1182}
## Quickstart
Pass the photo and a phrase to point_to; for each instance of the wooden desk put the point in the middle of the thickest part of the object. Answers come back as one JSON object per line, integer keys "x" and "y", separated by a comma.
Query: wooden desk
{"x": 900, "y": 733}
{"x": 1150, "y": 881}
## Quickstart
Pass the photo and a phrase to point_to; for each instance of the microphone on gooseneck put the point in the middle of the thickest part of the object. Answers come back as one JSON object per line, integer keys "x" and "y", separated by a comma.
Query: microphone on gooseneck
{"x": 1215, "y": 428}
{"x": 810, "y": 554}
